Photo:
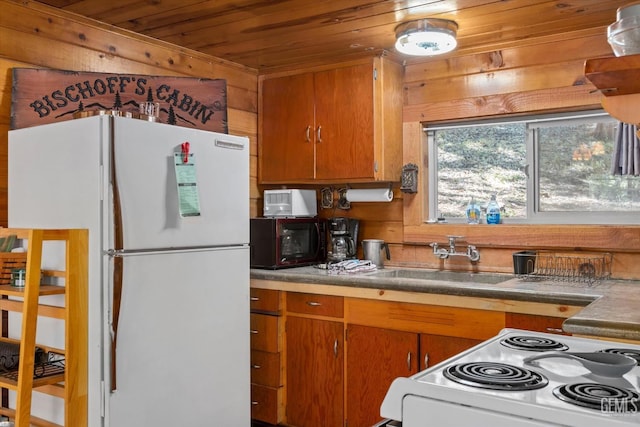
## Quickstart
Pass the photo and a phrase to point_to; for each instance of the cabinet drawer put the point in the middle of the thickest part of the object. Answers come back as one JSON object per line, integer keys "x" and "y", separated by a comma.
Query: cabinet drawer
{"x": 264, "y": 333}
{"x": 534, "y": 322}
{"x": 264, "y": 404}
{"x": 265, "y": 300}
{"x": 423, "y": 318}
{"x": 321, "y": 305}
{"x": 265, "y": 368}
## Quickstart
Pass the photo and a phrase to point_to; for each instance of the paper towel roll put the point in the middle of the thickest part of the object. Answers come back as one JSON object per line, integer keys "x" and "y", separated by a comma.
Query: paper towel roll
{"x": 370, "y": 195}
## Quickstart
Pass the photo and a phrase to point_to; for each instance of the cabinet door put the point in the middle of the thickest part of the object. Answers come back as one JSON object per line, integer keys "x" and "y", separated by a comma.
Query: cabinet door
{"x": 436, "y": 348}
{"x": 344, "y": 123}
{"x": 287, "y": 140}
{"x": 533, "y": 322}
{"x": 375, "y": 357}
{"x": 315, "y": 358}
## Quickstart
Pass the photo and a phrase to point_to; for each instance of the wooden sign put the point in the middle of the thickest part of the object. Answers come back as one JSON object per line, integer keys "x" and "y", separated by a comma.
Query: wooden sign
{"x": 41, "y": 96}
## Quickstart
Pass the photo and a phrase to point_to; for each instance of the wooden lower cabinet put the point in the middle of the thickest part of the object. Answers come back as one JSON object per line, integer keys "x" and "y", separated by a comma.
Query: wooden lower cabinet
{"x": 266, "y": 364}
{"x": 534, "y": 322}
{"x": 328, "y": 361}
{"x": 436, "y": 348}
{"x": 315, "y": 363}
{"x": 375, "y": 357}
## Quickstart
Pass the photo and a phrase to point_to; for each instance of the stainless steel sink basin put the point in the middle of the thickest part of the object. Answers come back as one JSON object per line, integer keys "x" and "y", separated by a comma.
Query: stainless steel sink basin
{"x": 445, "y": 276}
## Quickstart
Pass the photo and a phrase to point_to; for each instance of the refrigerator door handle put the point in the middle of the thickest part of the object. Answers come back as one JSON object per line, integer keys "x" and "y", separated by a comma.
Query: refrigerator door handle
{"x": 229, "y": 144}
{"x": 119, "y": 253}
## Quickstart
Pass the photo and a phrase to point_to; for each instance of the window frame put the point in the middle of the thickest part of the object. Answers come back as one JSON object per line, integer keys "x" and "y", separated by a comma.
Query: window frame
{"x": 533, "y": 213}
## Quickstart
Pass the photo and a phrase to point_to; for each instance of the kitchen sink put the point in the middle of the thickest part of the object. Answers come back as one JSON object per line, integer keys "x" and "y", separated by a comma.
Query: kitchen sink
{"x": 445, "y": 276}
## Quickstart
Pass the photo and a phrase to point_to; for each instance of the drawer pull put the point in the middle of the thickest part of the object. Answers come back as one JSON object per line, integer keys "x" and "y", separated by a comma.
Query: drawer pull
{"x": 426, "y": 360}
{"x": 409, "y": 361}
{"x": 555, "y": 330}
{"x": 313, "y": 304}
{"x": 256, "y": 366}
{"x": 254, "y": 403}
{"x": 254, "y": 299}
{"x": 253, "y": 331}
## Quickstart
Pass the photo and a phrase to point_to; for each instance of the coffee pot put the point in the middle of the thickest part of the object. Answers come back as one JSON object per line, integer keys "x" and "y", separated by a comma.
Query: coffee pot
{"x": 343, "y": 237}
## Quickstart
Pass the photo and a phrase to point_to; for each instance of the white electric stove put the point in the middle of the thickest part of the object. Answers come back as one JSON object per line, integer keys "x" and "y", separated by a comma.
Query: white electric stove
{"x": 491, "y": 384}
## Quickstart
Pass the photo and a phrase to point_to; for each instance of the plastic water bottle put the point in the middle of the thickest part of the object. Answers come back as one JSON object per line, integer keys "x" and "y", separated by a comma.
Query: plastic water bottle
{"x": 493, "y": 211}
{"x": 473, "y": 212}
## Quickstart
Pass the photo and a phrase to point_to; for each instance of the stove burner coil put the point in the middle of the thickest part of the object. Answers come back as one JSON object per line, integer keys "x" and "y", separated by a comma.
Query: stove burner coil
{"x": 598, "y": 396}
{"x": 635, "y": 354}
{"x": 495, "y": 376}
{"x": 533, "y": 343}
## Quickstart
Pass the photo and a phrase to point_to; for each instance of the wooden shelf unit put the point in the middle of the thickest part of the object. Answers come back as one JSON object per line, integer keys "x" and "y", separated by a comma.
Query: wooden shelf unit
{"x": 70, "y": 382}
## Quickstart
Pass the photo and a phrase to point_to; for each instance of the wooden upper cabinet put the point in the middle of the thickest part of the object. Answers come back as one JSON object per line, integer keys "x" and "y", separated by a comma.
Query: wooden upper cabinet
{"x": 344, "y": 123}
{"x": 338, "y": 125}
{"x": 287, "y": 144}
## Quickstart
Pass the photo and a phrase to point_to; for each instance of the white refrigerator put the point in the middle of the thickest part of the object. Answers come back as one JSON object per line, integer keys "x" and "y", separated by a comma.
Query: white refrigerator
{"x": 167, "y": 210}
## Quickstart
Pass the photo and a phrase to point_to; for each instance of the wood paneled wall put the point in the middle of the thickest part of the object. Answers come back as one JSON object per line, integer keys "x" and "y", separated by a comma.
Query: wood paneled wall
{"x": 535, "y": 78}
{"x": 543, "y": 77}
{"x": 33, "y": 35}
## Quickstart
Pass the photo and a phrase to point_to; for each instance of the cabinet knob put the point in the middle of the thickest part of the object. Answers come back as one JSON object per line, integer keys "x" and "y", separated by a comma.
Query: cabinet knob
{"x": 409, "y": 361}
{"x": 426, "y": 360}
{"x": 335, "y": 348}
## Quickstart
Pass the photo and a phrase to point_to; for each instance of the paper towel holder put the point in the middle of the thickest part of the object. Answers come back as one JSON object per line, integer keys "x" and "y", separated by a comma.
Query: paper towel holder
{"x": 343, "y": 203}
{"x": 326, "y": 198}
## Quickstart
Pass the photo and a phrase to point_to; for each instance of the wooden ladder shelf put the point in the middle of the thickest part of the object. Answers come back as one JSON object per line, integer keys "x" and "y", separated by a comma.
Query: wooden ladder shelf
{"x": 64, "y": 372}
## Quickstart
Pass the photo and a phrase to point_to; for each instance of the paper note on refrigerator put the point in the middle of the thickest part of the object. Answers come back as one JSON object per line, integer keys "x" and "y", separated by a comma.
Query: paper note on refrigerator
{"x": 188, "y": 199}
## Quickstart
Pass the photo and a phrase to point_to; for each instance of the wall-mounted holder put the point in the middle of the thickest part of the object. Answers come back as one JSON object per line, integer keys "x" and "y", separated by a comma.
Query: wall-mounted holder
{"x": 326, "y": 198}
{"x": 343, "y": 203}
{"x": 409, "y": 178}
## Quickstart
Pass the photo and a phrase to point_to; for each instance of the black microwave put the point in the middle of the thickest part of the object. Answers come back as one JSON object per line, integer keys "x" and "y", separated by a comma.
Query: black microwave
{"x": 287, "y": 242}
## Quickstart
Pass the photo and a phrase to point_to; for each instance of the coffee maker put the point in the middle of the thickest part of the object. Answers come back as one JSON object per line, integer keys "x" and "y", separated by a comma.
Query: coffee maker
{"x": 343, "y": 238}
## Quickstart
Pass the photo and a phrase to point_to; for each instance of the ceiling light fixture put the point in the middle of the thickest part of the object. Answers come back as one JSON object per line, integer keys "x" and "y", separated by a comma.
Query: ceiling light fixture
{"x": 425, "y": 37}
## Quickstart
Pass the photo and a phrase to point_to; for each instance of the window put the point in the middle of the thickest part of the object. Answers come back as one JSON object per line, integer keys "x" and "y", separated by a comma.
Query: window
{"x": 543, "y": 169}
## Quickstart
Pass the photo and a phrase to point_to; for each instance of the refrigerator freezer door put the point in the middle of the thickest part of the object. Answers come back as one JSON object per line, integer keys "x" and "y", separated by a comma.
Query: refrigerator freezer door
{"x": 183, "y": 342}
{"x": 146, "y": 180}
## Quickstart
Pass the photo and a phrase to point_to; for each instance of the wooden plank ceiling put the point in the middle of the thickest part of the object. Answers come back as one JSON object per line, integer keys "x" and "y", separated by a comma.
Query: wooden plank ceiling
{"x": 270, "y": 35}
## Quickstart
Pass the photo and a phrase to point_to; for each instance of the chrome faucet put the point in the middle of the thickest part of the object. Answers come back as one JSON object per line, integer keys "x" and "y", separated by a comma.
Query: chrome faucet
{"x": 443, "y": 253}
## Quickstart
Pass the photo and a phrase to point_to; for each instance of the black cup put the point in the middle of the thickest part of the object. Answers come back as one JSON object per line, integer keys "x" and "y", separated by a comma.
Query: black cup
{"x": 524, "y": 262}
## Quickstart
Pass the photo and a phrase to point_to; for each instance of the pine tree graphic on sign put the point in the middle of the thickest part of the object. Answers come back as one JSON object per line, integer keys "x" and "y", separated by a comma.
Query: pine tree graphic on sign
{"x": 171, "y": 117}
{"x": 117, "y": 103}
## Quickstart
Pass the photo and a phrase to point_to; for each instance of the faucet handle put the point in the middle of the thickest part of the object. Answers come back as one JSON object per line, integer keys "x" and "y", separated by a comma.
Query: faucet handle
{"x": 452, "y": 239}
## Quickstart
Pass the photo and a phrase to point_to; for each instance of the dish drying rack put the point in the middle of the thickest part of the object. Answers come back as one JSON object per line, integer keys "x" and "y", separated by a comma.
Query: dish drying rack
{"x": 589, "y": 268}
